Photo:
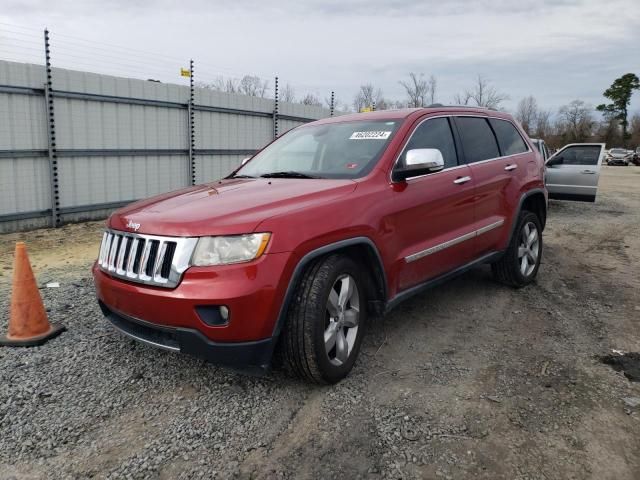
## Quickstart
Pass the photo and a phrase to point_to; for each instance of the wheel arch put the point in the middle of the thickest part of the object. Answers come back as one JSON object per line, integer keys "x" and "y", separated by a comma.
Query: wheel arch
{"x": 534, "y": 201}
{"x": 363, "y": 251}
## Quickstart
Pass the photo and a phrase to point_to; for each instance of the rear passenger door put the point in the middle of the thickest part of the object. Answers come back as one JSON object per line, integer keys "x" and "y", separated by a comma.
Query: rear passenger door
{"x": 573, "y": 172}
{"x": 496, "y": 153}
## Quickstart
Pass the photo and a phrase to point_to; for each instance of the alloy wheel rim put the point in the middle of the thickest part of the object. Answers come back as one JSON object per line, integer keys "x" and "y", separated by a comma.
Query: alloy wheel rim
{"x": 529, "y": 248}
{"x": 342, "y": 318}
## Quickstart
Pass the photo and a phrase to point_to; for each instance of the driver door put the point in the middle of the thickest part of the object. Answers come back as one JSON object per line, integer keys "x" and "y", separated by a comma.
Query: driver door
{"x": 573, "y": 172}
{"x": 433, "y": 213}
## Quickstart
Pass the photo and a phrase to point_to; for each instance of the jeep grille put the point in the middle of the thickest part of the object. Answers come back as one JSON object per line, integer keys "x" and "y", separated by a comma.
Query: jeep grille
{"x": 148, "y": 259}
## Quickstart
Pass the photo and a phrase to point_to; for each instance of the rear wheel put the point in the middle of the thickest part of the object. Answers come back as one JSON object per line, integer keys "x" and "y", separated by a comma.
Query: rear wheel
{"x": 326, "y": 321}
{"x": 519, "y": 265}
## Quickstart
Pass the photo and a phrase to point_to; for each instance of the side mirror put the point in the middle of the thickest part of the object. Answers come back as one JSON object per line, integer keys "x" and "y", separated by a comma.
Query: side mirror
{"x": 557, "y": 160}
{"x": 245, "y": 160}
{"x": 419, "y": 161}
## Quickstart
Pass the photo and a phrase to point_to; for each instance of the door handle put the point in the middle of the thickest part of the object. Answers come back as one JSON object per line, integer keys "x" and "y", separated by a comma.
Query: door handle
{"x": 588, "y": 172}
{"x": 513, "y": 166}
{"x": 461, "y": 180}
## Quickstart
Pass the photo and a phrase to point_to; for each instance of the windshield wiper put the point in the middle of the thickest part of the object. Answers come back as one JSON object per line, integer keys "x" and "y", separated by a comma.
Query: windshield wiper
{"x": 288, "y": 174}
{"x": 240, "y": 176}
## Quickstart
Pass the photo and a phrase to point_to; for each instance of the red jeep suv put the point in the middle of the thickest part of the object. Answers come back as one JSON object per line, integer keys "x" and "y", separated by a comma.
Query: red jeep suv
{"x": 334, "y": 222}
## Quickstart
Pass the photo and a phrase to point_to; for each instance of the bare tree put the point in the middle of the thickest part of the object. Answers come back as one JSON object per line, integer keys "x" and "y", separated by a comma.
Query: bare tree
{"x": 253, "y": 86}
{"x": 432, "y": 83}
{"x": 543, "y": 124}
{"x": 338, "y": 105}
{"x": 576, "y": 121}
{"x": 483, "y": 94}
{"x": 382, "y": 104}
{"x": 311, "y": 99}
{"x": 248, "y": 85}
{"x": 462, "y": 98}
{"x": 287, "y": 94}
{"x": 609, "y": 131}
{"x": 396, "y": 104}
{"x": 527, "y": 113}
{"x": 417, "y": 89}
{"x": 367, "y": 96}
{"x": 420, "y": 91}
{"x": 221, "y": 84}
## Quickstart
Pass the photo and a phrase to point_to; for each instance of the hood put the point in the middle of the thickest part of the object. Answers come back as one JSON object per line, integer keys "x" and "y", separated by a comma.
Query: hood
{"x": 225, "y": 207}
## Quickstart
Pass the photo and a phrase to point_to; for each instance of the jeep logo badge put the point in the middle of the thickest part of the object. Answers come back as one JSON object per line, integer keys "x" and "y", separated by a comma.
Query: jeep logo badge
{"x": 133, "y": 226}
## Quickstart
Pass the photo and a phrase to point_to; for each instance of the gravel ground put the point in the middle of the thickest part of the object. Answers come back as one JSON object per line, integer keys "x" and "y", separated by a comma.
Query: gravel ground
{"x": 470, "y": 380}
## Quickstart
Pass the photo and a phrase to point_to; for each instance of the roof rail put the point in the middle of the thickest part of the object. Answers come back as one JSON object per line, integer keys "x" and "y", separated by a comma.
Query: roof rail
{"x": 439, "y": 105}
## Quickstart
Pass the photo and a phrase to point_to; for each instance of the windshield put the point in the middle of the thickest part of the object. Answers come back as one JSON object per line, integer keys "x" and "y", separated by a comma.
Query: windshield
{"x": 334, "y": 150}
{"x": 618, "y": 150}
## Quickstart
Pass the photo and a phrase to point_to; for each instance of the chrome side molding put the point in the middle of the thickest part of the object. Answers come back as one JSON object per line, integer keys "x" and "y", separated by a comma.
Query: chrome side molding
{"x": 450, "y": 243}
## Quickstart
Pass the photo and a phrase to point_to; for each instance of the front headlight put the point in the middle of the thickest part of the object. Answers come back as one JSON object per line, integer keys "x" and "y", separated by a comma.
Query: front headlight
{"x": 232, "y": 249}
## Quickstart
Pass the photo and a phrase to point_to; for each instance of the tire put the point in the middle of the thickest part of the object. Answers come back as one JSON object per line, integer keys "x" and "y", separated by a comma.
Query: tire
{"x": 510, "y": 269}
{"x": 317, "y": 311}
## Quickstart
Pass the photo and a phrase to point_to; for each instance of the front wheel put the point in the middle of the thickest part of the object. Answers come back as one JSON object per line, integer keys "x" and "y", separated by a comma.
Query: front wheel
{"x": 520, "y": 263}
{"x": 326, "y": 321}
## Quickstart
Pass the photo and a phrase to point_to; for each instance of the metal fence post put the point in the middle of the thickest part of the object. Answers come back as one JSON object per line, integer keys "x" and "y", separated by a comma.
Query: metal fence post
{"x": 192, "y": 128}
{"x": 275, "y": 111}
{"x": 332, "y": 105}
{"x": 51, "y": 136}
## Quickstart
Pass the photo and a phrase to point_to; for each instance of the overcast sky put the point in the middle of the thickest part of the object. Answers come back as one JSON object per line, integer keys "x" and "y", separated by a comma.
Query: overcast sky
{"x": 556, "y": 50}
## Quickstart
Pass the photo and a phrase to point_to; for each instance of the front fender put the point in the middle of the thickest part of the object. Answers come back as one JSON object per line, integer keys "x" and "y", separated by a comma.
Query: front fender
{"x": 302, "y": 261}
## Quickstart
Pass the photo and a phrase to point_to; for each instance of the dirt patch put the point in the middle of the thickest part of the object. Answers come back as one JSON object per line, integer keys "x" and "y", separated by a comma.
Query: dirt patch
{"x": 68, "y": 246}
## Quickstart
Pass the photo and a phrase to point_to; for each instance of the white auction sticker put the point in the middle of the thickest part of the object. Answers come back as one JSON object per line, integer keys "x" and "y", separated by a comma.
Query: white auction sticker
{"x": 374, "y": 135}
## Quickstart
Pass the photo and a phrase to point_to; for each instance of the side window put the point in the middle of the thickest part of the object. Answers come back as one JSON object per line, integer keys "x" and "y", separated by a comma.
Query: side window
{"x": 580, "y": 155}
{"x": 434, "y": 133}
{"x": 509, "y": 139}
{"x": 478, "y": 140}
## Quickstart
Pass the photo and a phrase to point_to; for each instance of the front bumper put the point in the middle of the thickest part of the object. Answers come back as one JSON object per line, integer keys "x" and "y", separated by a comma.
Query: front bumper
{"x": 618, "y": 162}
{"x": 244, "y": 355}
{"x": 252, "y": 292}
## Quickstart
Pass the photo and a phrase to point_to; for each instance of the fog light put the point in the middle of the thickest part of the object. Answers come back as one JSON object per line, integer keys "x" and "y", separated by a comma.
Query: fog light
{"x": 213, "y": 315}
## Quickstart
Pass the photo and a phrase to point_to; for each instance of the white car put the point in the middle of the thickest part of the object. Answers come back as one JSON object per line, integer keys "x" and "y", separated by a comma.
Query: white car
{"x": 541, "y": 146}
{"x": 572, "y": 173}
{"x": 618, "y": 156}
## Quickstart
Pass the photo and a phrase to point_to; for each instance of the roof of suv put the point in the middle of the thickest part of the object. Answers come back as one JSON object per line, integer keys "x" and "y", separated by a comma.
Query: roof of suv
{"x": 408, "y": 112}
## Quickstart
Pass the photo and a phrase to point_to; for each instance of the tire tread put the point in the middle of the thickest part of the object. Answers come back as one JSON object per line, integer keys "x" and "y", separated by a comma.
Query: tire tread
{"x": 297, "y": 351}
{"x": 504, "y": 270}
{"x": 297, "y": 337}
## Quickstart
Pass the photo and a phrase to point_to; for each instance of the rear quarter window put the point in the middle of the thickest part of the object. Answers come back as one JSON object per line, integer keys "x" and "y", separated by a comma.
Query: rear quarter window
{"x": 509, "y": 139}
{"x": 478, "y": 140}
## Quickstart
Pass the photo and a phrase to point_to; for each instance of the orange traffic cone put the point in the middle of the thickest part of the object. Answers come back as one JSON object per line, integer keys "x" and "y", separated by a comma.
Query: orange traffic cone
{"x": 28, "y": 323}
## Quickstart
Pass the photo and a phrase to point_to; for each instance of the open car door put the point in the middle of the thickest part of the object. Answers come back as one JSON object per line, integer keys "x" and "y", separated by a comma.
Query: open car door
{"x": 573, "y": 172}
